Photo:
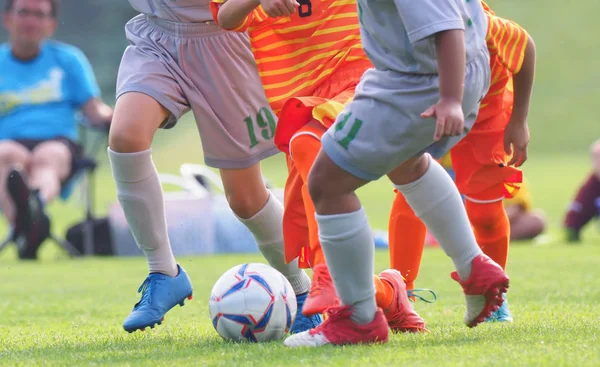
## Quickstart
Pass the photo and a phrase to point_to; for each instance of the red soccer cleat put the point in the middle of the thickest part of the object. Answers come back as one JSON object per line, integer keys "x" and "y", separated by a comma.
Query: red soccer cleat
{"x": 322, "y": 293}
{"x": 400, "y": 315}
{"x": 338, "y": 329}
{"x": 483, "y": 289}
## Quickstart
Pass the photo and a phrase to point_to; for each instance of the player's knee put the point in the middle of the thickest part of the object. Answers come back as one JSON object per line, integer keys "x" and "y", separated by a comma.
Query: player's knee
{"x": 409, "y": 171}
{"x": 51, "y": 154}
{"x": 125, "y": 138}
{"x": 244, "y": 205}
{"x": 136, "y": 118}
{"x": 12, "y": 153}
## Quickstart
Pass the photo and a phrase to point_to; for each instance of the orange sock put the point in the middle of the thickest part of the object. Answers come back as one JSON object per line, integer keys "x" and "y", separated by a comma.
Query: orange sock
{"x": 304, "y": 148}
{"x": 384, "y": 293}
{"x": 407, "y": 240}
{"x": 492, "y": 229}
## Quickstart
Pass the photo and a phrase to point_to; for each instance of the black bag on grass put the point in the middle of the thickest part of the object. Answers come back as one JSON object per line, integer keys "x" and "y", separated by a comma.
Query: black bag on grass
{"x": 102, "y": 239}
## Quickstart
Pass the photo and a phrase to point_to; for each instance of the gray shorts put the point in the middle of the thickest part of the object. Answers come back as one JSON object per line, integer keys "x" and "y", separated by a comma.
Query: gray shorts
{"x": 210, "y": 71}
{"x": 382, "y": 127}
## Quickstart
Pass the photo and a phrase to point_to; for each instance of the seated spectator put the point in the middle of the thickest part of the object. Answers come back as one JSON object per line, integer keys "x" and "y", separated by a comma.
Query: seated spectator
{"x": 586, "y": 204}
{"x": 526, "y": 223}
{"x": 43, "y": 85}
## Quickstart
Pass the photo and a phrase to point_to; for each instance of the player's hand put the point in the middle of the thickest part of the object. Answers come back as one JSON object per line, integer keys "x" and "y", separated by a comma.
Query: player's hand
{"x": 279, "y": 8}
{"x": 450, "y": 119}
{"x": 516, "y": 141}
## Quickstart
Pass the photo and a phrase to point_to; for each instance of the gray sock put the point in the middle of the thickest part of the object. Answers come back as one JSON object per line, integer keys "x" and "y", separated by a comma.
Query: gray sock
{"x": 141, "y": 197}
{"x": 435, "y": 199}
{"x": 267, "y": 228}
{"x": 348, "y": 245}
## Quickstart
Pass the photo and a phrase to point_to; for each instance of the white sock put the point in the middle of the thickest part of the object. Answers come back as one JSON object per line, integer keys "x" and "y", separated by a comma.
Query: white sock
{"x": 141, "y": 197}
{"x": 347, "y": 242}
{"x": 435, "y": 199}
{"x": 267, "y": 228}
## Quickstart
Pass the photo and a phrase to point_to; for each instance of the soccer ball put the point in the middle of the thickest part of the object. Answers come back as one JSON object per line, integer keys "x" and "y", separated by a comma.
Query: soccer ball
{"x": 252, "y": 302}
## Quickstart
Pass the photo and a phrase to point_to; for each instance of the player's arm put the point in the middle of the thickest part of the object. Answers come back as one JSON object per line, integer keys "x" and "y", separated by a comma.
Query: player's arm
{"x": 234, "y": 14}
{"x": 451, "y": 61}
{"x": 450, "y": 48}
{"x": 523, "y": 84}
{"x": 515, "y": 49}
{"x": 516, "y": 133}
{"x": 97, "y": 111}
{"x": 239, "y": 14}
{"x": 447, "y": 28}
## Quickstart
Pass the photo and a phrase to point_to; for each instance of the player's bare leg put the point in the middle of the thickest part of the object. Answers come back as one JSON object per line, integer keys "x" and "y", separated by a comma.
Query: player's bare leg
{"x": 431, "y": 193}
{"x": 136, "y": 119}
{"x": 348, "y": 245}
{"x": 262, "y": 214}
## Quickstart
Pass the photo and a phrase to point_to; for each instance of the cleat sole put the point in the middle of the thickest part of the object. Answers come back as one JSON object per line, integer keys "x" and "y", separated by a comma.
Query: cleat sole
{"x": 182, "y": 303}
{"x": 494, "y": 300}
{"x": 156, "y": 323}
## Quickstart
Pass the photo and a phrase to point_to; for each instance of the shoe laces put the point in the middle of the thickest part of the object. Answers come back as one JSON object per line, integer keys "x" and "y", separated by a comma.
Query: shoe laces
{"x": 399, "y": 317}
{"x": 146, "y": 290}
{"x": 414, "y": 293}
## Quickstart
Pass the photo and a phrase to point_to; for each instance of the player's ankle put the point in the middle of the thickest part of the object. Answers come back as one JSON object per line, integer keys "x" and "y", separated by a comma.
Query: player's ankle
{"x": 364, "y": 312}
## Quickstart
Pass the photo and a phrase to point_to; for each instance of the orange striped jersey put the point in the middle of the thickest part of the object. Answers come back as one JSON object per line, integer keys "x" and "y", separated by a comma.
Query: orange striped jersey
{"x": 296, "y": 54}
{"x": 507, "y": 42}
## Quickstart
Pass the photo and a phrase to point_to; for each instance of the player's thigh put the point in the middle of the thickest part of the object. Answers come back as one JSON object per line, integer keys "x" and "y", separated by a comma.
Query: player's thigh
{"x": 234, "y": 119}
{"x": 13, "y": 153}
{"x": 149, "y": 93}
{"x": 54, "y": 154}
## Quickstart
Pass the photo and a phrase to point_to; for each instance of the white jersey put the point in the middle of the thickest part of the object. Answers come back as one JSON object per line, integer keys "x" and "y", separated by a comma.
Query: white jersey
{"x": 180, "y": 11}
{"x": 397, "y": 34}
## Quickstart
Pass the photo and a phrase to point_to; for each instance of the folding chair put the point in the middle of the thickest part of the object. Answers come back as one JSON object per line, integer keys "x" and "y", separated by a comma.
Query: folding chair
{"x": 84, "y": 169}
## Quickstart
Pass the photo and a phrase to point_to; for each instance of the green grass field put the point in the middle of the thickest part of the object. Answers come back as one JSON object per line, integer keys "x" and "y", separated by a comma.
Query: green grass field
{"x": 69, "y": 312}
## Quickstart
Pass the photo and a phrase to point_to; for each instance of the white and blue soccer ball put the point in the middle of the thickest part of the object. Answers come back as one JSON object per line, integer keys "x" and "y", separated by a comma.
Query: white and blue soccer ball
{"x": 252, "y": 302}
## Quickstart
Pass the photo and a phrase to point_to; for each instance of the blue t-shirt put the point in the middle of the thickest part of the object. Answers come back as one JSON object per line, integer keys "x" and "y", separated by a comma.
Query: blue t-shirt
{"x": 39, "y": 99}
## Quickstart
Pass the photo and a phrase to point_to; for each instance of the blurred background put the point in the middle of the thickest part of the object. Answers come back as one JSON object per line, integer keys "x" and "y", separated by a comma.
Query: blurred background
{"x": 562, "y": 118}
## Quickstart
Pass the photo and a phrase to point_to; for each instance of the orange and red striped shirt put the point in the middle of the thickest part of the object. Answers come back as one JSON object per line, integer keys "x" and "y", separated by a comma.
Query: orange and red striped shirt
{"x": 296, "y": 54}
{"x": 507, "y": 42}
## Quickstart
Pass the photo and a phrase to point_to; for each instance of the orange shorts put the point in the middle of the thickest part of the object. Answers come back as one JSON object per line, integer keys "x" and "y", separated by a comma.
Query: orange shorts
{"x": 479, "y": 160}
{"x": 324, "y": 106}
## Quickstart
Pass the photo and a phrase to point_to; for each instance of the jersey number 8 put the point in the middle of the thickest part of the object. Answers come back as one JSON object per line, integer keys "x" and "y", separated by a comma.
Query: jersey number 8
{"x": 305, "y": 8}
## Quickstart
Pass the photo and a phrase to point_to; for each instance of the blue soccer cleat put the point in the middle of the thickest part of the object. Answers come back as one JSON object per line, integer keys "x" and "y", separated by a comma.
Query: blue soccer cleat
{"x": 304, "y": 323}
{"x": 160, "y": 293}
{"x": 502, "y": 314}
